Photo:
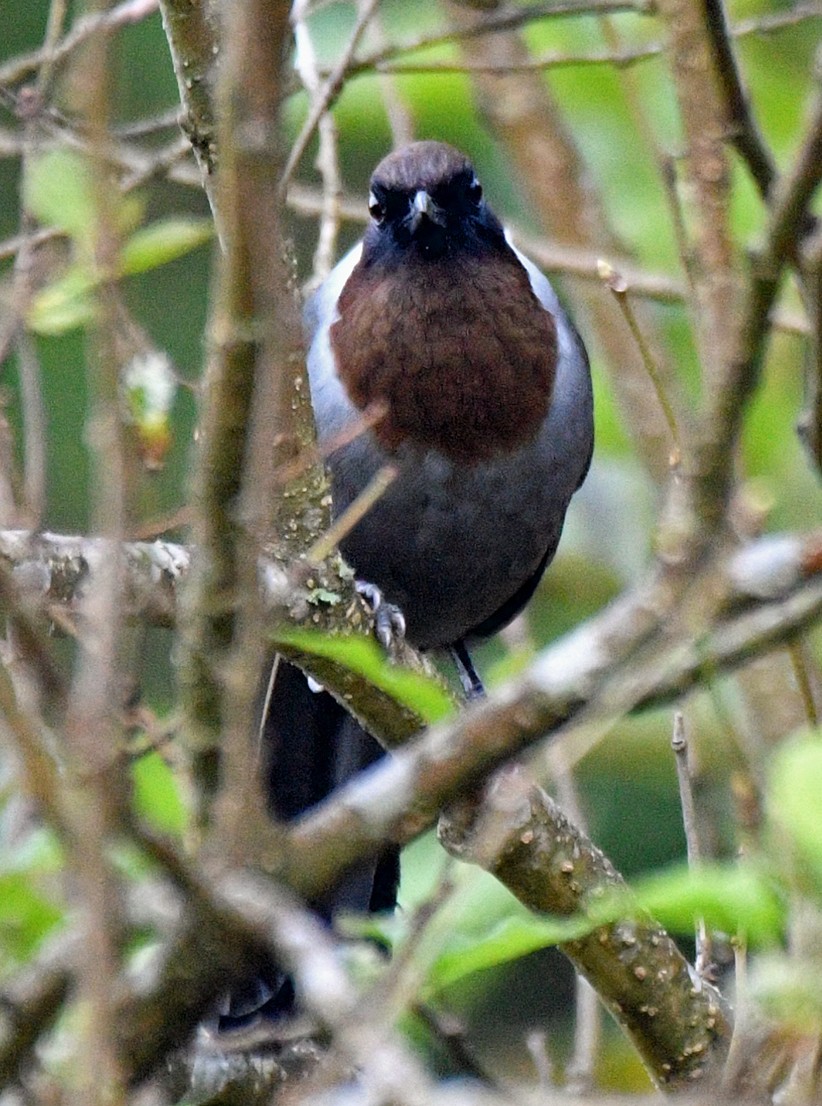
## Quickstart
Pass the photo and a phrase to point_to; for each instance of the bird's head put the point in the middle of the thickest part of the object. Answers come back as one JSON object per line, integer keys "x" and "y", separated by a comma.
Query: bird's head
{"x": 438, "y": 321}
{"x": 426, "y": 198}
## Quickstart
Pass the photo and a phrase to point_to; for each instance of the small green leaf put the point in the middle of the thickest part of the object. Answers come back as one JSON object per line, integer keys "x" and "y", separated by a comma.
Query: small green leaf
{"x": 58, "y": 192}
{"x": 157, "y": 795}
{"x": 26, "y": 917}
{"x": 514, "y": 936}
{"x": 161, "y": 242}
{"x": 482, "y": 925}
{"x": 419, "y": 693}
{"x": 64, "y": 304}
{"x": 68, "y": 302}
{"x": 739, "y": 897}
{"x": 793, "y": 805}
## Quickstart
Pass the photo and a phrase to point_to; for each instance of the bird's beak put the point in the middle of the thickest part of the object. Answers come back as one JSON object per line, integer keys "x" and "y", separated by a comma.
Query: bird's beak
{"x": 423, "y": 207}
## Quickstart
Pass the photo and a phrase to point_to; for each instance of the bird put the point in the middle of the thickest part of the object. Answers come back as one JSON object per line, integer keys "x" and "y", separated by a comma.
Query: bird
{"x": 483, "y": 388}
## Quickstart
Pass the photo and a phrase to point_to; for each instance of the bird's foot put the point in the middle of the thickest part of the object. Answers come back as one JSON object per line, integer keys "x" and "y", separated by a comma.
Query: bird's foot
{"x": 389, "y": 621}
{"x": 472, "y": 685}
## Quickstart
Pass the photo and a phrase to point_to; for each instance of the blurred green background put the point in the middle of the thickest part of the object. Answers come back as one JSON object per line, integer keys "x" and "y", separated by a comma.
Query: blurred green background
{"x": 627, "y": 782}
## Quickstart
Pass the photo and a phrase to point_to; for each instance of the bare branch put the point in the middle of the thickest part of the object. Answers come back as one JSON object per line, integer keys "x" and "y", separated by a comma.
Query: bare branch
{"x": 679, "y": 745}
{"x": 704, "y": 121}
{"x": 744, "y": 131}
{"x": 327, "y": 156}
{"x": 810, "y": 420}
{"x": 256, "y": 413}
{"x": 325, "y": 97}
{"x": 502, "y": 17}
{"x": 192, "y": 37}
{"x": 620, "y": 58}
{"x": 739, "y": 361}
{"x": 131, "y": 11}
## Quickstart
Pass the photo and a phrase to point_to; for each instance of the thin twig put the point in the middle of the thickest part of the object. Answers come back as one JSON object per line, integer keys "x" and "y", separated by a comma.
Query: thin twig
{"x": 132, "y": 11}
{"x": 619, "y": 287}
{"x": 327, "y": 161}
{"x": 34, "y": 428}
{"x": 91, "y": 726}
{"x": 327, "y": 95}
{"x": 41, "y": 774}
{"x": 679, "y": 744}
{"x": 345, "y": 523}
{"x": 191, "y": 31}
{"x": 704, "y": 122}
{"x": 54, "y": 29}
{"x": 580, "y": 1073}
{"x": 159, "y": 164}
{"x": 803, "y": 663}
{"x": 502, "y": 18}
{"x": 623, "y": 57}
{"x": 142, "y": 128}
{"x": 740, "y": 362}
{"x": 399, "y": 115}
{"x": 555, "y": 59}
{"x": 810, "y": 420}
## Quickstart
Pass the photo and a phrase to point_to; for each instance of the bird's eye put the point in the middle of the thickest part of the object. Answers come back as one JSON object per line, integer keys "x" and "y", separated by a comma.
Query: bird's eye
{"x": 475, "y": 191}
{"x": 376, "y": 209}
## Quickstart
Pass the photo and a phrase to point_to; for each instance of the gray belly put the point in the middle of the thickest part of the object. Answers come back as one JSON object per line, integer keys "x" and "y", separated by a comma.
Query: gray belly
{"x": 451, "y": 545}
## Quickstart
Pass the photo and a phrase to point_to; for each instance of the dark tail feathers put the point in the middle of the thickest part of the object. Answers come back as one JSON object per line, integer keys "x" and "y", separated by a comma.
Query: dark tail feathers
{"x": 310, "y": 746}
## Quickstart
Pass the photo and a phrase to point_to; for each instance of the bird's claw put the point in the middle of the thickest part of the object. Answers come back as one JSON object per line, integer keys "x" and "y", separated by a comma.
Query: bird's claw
{"x": 389, "y": 621}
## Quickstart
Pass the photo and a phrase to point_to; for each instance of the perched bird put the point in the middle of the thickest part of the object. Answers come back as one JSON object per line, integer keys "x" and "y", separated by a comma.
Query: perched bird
{"x": 438, "y": 321}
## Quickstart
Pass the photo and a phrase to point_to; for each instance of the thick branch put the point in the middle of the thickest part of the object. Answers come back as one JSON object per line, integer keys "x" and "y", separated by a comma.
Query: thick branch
{"x": 256, "y": 413}
{"x": 677, "y": 1022}
{"x": 192, "y": 38}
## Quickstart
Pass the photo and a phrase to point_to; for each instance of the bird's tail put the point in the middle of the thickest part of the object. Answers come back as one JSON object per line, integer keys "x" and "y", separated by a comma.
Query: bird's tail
{"x": 310, "y": 745}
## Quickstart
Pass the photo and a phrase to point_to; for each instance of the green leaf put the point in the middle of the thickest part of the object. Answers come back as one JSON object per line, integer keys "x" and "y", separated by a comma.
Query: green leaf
{"x": 64, "y": 304}
{"x": 793, "y": 798}
{"x": 513, "y": 937}
{"x": 26, "y": 917}
{"x": 58, "y": 192}
{"x": 480, "y": 926}
{"x": 157, "y": 794}
{"x": 68, "y": 303}
{"x": 419, "y": 693}
{"x": 738, "y": 897}
{"x": 161, "y": 242}
{"x": 483, "y": 926}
